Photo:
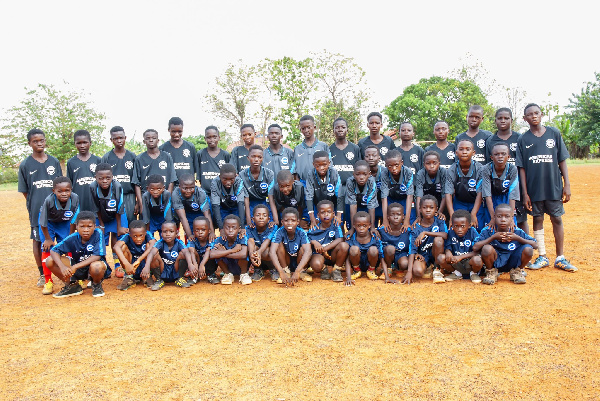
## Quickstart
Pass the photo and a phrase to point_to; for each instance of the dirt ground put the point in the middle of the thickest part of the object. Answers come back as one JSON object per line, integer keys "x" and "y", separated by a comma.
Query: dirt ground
{"x": 319, "y": 340}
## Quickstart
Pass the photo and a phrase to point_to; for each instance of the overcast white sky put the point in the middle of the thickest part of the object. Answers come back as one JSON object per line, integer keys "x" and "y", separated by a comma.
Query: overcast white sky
{"x": 146, "y": 61}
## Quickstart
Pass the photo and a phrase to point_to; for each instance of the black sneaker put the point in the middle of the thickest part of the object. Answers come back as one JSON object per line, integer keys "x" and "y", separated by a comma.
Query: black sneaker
{"x": 69, "y": 290}
{"x": 213, "y": 279}
{"x": 258, "y": 274}
{"x": 325, "y": 275}
{"x": 127, "y": 283}
{"x": 274, "y": 275}
{"x": 337, "y": 276}
{"x": 97, "y": 290}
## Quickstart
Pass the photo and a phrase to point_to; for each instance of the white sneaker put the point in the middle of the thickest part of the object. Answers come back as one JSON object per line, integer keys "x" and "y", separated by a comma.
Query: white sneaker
{"x": 227, "y": 279}
{"x": 244, "y": 279}
{"x": 438, "y": 277}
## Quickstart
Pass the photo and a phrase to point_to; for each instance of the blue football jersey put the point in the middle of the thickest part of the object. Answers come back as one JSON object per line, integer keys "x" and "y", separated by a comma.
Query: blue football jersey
{"x": 427, "y": 243}
{"x": 499, "y": 246}
{"x": 79, "y": 250}
{"x": 291, "y": 245}
{"x": 169, "y": 255}
{"x": 259, "y": 238}
{"x": 136, "y": 250}
{"x": 365, "y": 247}
{"x": 400, "y": 242}
{"x": 461, "y": 245}
{"x": 325, "y": 236}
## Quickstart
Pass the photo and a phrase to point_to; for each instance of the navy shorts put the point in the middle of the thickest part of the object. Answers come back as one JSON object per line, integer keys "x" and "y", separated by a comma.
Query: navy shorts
{"x": 521, "y": 212}
{"x": 138, "y": 272}
{"x": 111, "y": 227}
{"x": 398, "y": 256}
{"x": 84, "y": 272}
{"x": 364, "y": 261}
{"x": 509, "y": 260}
{"x": 169, "y": 274}
{"x": 57, "y": 231}
{"x": 232, "y": 265}
{"x": 428, "y": 256}
{"x": 552, "y": 208}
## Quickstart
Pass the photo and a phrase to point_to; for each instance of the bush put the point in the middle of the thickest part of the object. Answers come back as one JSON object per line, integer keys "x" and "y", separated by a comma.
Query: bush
{"x": 8, "y": 175}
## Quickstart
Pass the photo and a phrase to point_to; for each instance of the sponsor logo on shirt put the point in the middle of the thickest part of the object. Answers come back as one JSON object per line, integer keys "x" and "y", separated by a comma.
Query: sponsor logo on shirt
{"x": 481, "y": 144}
{"x": 450, "y": 155}
{"x": 401, "y": 245}
{"x": 93, "y": 167}
{"x": 454, "y": 240}
{"x": 378, "y": 184}
{"x": 123, "y": 178}
{"x": 32, "y": 172}
{"x": 75, "y": 170}
{"x": 90, "y": 247}
{"x": 145, "y": 167}
{"x": 264, "y": 185}
{"x": 162, "y": 165}
{"x": 414, "y": 158}
{"x": 112, "y": 203}
{"x": 364, "y": 198}
{"x": 550, "y": 143}
{"x": 402, "y": 187}
{"x": 528, "y": 146}
{"x": 505, "y": 183}
{"x": 233, "y": 198}
{"x": 541, "y": 159}
{"x": 472, "y": 182}
{"x": 349, "y": 155}
{"x": 174, "y": 254}
{"x": 293, "y": 202}
{"x": 181, "y": 166}
{"x": 143, "y": 247}
{"x": 284, "y": 160}
{"x": 85, "y": 180}
{"x": 512, "y": 247}
{"x": 186, "y": 153}
{"x": 50, "y": 170}
{"x": 331, "y": 234}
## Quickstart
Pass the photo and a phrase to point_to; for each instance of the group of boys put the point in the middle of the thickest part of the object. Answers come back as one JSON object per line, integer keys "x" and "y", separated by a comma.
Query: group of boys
{"x": 370, "y": 208}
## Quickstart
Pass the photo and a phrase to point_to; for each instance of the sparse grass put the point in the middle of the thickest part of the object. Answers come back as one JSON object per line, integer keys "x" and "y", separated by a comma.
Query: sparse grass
{"x": 10, "y": 186}
{"x": 583, "y": 161}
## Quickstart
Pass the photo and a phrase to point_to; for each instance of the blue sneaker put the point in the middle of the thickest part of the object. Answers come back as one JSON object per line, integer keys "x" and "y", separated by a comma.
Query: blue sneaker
{"x": 565, "y": 265}
{"x": 540, "y": 262}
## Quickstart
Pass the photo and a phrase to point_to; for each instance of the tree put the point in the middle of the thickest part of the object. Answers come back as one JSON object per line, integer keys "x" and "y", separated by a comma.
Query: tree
{"x": 437, "y": 98}
{"x": 59, "y": 113}
{"x": 585, "y": 115}
{"x": 515, "y": 101}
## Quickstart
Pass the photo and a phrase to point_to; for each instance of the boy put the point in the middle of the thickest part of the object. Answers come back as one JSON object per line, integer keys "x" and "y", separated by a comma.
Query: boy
{"x": 378, "y": 172}
{"x": 426, "y": 243}
{"x": 463, "y": 184}
{"x": 361, "y": 193}
{"x": 327, "y": 243}
{"x": 277, "y": 157}
{"x": 189, "y": 202}
{"x": 398, "y": 182}
{"x": 240, "y": 154}
{"x": 260, "y": 234}
{"x": 323, "y": 184}
{"x": 87, "y": 260}
{"x": 503, "y": 250}
{"x": 290, "y": 250}
{"x": 156, "y": 204}
{"x": 81, "y": 169}
{"x": 395, "y": 239}
{"x": 169, "y": 258}
{"x": 542, "y": 161}
{"x": 182, "y": 152}
{"x": 199, "y": 247}
{"x": 56, "y": 220}
{"x": 231, "y": 252}
{"x": 412, "y": 154}
{"x": 303, "y": 153}
{"x": 459, "y": 258}
{"x": 288, "y": 193}
{"x": 476, "y": 135}
{"x": 257, "y": 180}
{"x": 152, "y": 162}
{"x": 211, "y": 158}
{"x": 107, "y": 197}
{"x": 383, "y": 142}
{"x": 122, "y": 161}
{"x": 500, "y": 182}
{"x": 133, "y": 249}
{"x": 444, "y": 149}
{"x": 227, "y": 194}
{"x": 343, "y": 153}
{"x": 365, "y": 252}
{"x": 36, "y": 174}
{"x": 431, "y": 180}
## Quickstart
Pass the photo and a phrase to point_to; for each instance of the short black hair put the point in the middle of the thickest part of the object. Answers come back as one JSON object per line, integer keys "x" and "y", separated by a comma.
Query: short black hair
{"x": 320, "y": 153}
{"x": 393, "y": 154}
{"x": 460, "y": 213}
{"x": 175, "y": 121}
{"x": 168, "y": 222}
{"x": 155, "y": 179}
{"x": 500, "y": 144}
{"x": 431, "y": 153}
{"x": 247, "y": 126}
{"x": 290, "y": 210}
{"x": 361, "y": 163}
{"x": 260, "y": 206}
{"x": 255, "y": 147}
{"x": 284, "y": 176}
{"x": 409, "y": 123}
{"x": 227, "y": 168}
{"x": 149, "y": 130}
{"x": 209, "y": 128}
{"x": 375, "y": 114}
{"x": 476, "y": 107}
{"x": 34, "y": 131}
{"x": 82, "y": 132}
{"x": 186, "y": 177}
{"x": 85, "y": 215}
{"x": 116, "y": 128}
{"x": 465, "y": 139}
{"x": 372, "y": 147}
{"x": 137, "y": 224}
{"x": 201, "y": 218}
{"x": 360, "y": 215}
{"x": 441, "y": 122}
{"x": 103, "y": 167}
{"x": 340, "y": 119}
{"x": 60, "y": 180}
{"x": 274, "y": 126}
{"x": 325, "y": 202}
{"x": 307, "y": 118}
{"x": 395, "y": 205}
{"x": 232, "y": 217}
{"x": 504, "y": 109}
{"x": 431, "y": 198}
{"x": 504, "y": 206}
{"x": 531, "y": 105}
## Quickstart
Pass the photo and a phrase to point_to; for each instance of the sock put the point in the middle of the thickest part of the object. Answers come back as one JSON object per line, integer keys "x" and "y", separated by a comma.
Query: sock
{"x": 559, "y": 257}
{"x": 45, "y": 270}
{"x": 539, "y": 237}
{"x": 183, "y": 266}
{"x": 356, "y": 268}
{"x": 41, "y": 269}
{"x": 372, "y": 269}
{"x": 456, "y": 272}
{"x": 155, "y": 272}
{"x": 117, "y": 261}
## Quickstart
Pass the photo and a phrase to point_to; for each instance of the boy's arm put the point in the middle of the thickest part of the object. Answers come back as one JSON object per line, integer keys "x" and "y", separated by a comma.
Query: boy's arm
{"x": 409, "y": 201}
{"x": 274, "y": 259}
{"x": 241, "y": 254}
{"x": 476, "y": 206}
{"x": 479, "y": 244}
{"x": 247, "y": 211}
{"x": 242, "y": 214}
{"x": 442, "y": 234}
{"x": 146, "y": 254}
{"x": 72, "y": 228}
{"x": 524, "y": 194}
{"x": 216, "y": 209}
{"x": 263, "y": 247}
{"x": 373, "y": 228}
{"x": 332, "y": 244}
{"x": 184, "y": 223}
{"x": 449, "y": 205}
{"x": 65, "y": 270}
{"x": 117, "y": 250}
{"x": 566, "y": 193}
{"x": 85, "y": 263}
{"x": 138, "y": 198}
{"x": 274, "y": 210}
{"x": 408, "y": 276}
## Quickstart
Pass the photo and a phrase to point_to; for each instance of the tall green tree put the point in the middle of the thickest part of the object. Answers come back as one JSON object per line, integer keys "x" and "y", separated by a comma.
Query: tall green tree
{"x": 59, "y": 113}
{"x": 438, "y": 98}
{"x": 585, "y": 115}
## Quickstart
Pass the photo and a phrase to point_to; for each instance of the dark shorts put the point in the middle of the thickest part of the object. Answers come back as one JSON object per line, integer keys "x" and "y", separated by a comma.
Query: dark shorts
{"x": 364, "y": 261}
{"x": 463, "y": 266}
{"x": 35, "y": 234}
{"x": 428, "y": 256}
{"x": 84, "y": 272}
{"x": 169, "y": 274}
{"x": 509, "y": 260}
{"x": 232, "y": 265}
{"x": 521, "y": 212}
{"x": 552, "y": 208}
{"x": 398, "y": 256}
{"x": 138, "y": 272}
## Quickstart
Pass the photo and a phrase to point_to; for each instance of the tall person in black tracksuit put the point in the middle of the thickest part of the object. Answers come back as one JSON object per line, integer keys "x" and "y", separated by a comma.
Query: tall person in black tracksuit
{"x": 211, "y": 158}
{"x": 81, "y": 169}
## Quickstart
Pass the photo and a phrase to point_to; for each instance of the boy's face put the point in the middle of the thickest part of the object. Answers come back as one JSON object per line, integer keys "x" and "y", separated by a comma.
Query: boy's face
{"x": 372, "y": 157}
{"x": 201, "y": 229}
{"x": 307, "y": 127}
{"x": 407, "y": 132}
{"x": 321, "y": 164}
{"x": 156, "y": 189}
{"x": 85, "y": 228}
{"x": 500, "y": 156}
{"x": 503, "y": 121}
{"x": 274, "y": 135}
{"x": 504, "y": 217}
{"x": 255, "y": 157}
{"x": 187, "y": 188}
{"x": 374, "y": 124}
{"x": 118, "y": 139}
{"x": 394, "y": 165}
{"x": 474, "y": 118}
{"x": 62, "y": 191}
{"x": 151, "y": 140}
{"x": 361, "y": 175}
{"x": 286, "y": 186}
{"x": 169, "y": 232}
{"x": 82, "y": 143}
{"x": 465, "y": 151}
{"x": 104, "y": 178}
{"x": 37, "y": 143}
{"x": 260, "y": 217}
{"x": 533, "y": 116}
{"x": 428, "y": 208}
{"x": 176, "y": 132}
{"x": 395, "y": 216}
{"x": 227, "y": 179}
{"x": 248, "y": 135}
{"x": 138, "y": 235}
{"x": 362, "y": 225}
{"x": 340, "y": 129}
{"x": 460, "y": 226}
{"x": 231, "y": 228}
{"x": 289, "y": 222}
{"x": 212, "y": 138}
{"x": 432, "y": 165}
{"x": 325, "y": 213}
{"x": 440, "y": 130}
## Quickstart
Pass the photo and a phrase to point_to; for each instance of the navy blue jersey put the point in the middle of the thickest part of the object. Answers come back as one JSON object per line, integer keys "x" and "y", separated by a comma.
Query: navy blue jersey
{"x": 479, "y": 140}
{"x": 169, "y": 254}
{"x": 79, "y": 250}
{"x": 184, "y": 157}
{"x": 35, "y": 180}
{"x": 258, "y": 189}
{"x": 277, "y": 161}
{"x": 412, "y": 158}
{"x": 82, "y": 174}
{"x": 291, "y": 245}
{"x": 135, "y": 249}
{"x": 512, "y": 143}
{"x": 325, "y": 236}
{"x": 52, "y": 211}
{"x": 145, "y": 166}
{"x": 461, "y": 245}
{"x": 374, "y": 241}
{"x": 384, "y": 146}
{"x": 259, "y": 238}
{"x": 225, "y": 243}
{"x": 195, "y": 204}
{"x": 343, "y": 159}
{"x": 157, "y": 208}
{"x": 201, "y": 249}
{"x": 399, "y": 242}
{"x": 210, "y": 167}
{"x": 447, "y": 155}
{"x": 427, "y": 242}
{"x": 499, "y": 246}
{"x": 110, "y": 205}
{"x": 122, "y": 168}
{"x": 239, "y": 158}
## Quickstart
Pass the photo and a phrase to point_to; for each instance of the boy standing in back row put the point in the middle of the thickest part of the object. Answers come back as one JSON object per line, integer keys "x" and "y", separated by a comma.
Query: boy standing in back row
{"x": 383, "y": 142}
{"x": 182, "y": 152}
{"x": 478, "y": 136}
{"x": 211, "y": 158}
{"x": 81, "y": 169}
